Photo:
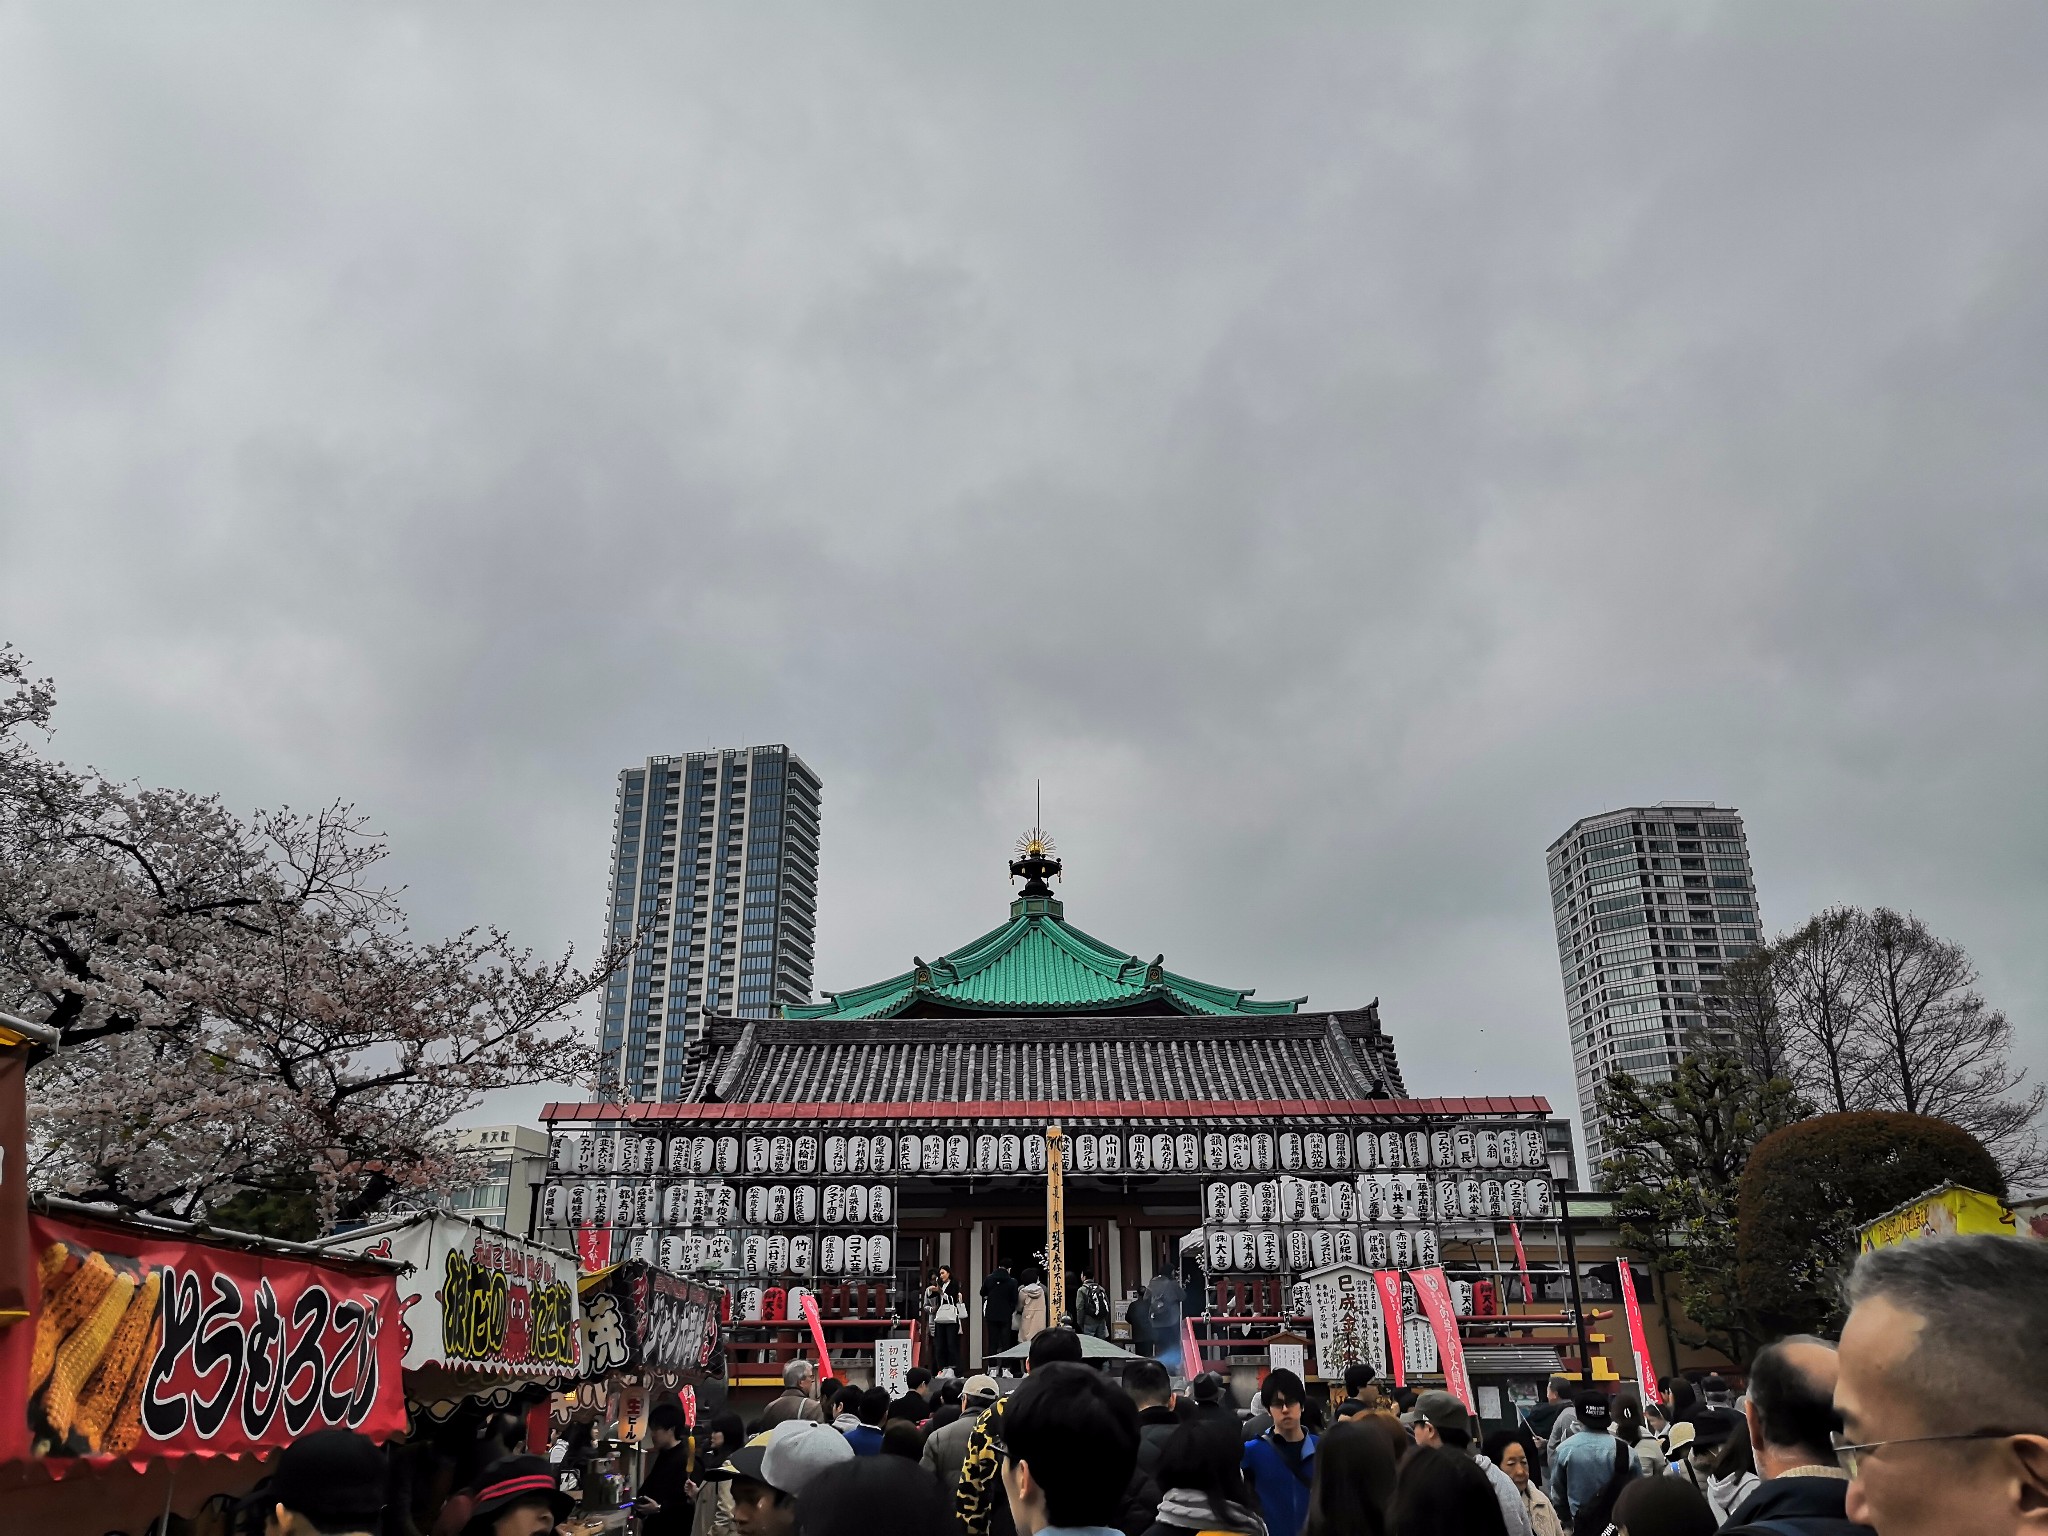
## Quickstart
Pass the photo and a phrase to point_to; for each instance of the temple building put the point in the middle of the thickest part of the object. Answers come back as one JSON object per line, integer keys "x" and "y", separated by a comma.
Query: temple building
{"x": 850, "y": 1147}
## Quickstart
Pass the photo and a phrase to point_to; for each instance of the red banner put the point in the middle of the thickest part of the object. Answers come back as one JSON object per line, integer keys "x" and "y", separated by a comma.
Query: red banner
{"x": 1638, "y": 1343}
{"x": 1435, "y": 1295}
{"x": 151, "y": 1345}
{"x": 817, "y": 1334}
{"x": 594, "y": 1248}
{"x": 1190, "y": 1349}
{"x": 1522, "y": 1262}
{"x": 1389, "y": 1283}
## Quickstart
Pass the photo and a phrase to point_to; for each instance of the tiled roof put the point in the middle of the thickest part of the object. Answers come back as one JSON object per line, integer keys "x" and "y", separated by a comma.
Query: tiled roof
{"x": 1038, "y": 964}
{"x": 1117, "y": 1058}
{"x": 1039, "y": 1110}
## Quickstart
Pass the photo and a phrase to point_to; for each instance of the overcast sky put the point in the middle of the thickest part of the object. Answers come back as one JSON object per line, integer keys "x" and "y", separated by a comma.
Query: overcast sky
{"x": 1333, "y": 452}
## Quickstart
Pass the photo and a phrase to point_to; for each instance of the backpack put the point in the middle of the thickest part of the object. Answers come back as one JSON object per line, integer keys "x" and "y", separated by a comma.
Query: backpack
{"x": 1595, "y": 1515}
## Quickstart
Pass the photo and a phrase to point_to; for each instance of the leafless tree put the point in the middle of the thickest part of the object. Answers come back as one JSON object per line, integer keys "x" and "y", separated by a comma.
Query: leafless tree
{"x": 1742, "y": 1016}
{"x": 1933, "y": 1046}
{"x": 1818, "y": 979}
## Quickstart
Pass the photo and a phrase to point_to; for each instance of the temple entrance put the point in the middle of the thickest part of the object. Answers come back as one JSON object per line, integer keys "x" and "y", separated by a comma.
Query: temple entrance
{"x": 1018, "y": 1246}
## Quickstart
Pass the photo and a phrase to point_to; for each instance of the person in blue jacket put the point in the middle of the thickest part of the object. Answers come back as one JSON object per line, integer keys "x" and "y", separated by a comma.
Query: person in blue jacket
{"x": 1280, "y": 1465}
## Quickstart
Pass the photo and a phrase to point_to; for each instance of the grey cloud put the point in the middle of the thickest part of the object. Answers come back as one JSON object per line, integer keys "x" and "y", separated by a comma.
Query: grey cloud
{"x": 1295, "y": 439}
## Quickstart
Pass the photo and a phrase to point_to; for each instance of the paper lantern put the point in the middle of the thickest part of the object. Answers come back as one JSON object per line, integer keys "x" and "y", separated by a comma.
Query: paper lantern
{"x": 1290, "y": 1150}
{"x": 835, "y": 1154}
{"x": 728, "y": 1154}
{"x": 935, "y": 1159}
{"x": 1034, "y": 1154}
{"x": 910, "y": 1153}
{"x": 780, "y": 1156}
{"x": 757, "y": 1154}
{"x": 1216, "y": 1151}
{"x": 778, "y": 1205}
{"x": 1187, "y": 1152}
{"x": 856, "y": 1154}
{"x": 805, "y": 1156}
{"x": 803, "y": 1204}
{"x": 800, "y": 1254}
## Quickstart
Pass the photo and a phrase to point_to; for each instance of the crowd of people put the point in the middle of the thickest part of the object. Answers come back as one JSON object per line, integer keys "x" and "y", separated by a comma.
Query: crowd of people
{"x": 1929, "y": 1415}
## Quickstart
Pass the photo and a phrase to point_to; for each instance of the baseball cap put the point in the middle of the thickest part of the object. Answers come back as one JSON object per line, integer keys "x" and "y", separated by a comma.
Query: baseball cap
{"x": 1441, "y": 1410}
{"x": 981, "y": 1387}
{"x": 334, "y": 1477}
{"x": 788, "y": 1456}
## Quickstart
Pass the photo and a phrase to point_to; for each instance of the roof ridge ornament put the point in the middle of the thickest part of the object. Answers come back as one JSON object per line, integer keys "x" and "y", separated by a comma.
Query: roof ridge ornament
{"x": 1037, "y": 857}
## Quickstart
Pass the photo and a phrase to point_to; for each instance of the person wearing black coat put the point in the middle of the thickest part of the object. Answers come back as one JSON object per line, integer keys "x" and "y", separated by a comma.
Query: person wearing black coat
{"x": 998, "y": 1310}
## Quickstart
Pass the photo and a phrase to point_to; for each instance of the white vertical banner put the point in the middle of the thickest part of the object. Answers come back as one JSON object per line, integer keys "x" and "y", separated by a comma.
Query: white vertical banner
{"x": 892, "y": 1365}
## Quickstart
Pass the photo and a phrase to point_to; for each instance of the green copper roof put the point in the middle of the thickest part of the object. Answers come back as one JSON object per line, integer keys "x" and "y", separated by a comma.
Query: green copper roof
{"x": 1036, "y": 963}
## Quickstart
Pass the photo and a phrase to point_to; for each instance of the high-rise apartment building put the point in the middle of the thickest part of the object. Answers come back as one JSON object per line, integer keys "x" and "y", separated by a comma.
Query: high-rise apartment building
{"x": 715, "y": 868}
{"x": 1650, "y": 902}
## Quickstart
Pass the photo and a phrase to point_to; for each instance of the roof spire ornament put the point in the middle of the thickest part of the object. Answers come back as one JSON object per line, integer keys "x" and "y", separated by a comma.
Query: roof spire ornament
{"x": 1037, "y": 855}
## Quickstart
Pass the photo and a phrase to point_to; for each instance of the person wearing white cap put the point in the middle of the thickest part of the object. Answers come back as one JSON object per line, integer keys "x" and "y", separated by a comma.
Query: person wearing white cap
{"x": 772, "y": 1469}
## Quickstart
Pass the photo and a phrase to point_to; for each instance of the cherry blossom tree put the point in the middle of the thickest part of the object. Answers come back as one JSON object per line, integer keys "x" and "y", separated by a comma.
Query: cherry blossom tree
{"x": 240, "y": 1006}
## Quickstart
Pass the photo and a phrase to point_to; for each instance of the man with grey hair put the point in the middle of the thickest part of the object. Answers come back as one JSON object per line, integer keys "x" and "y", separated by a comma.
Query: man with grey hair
{"x": 1943, "y": 1388}
{"x": 799, "y": 1399}
{"x": 1790, "y": 1407}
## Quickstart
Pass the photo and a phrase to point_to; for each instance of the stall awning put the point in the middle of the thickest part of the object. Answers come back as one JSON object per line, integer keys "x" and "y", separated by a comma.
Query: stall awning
{"x": 150, "y": 1338}
{"x": 478, "y": 1300}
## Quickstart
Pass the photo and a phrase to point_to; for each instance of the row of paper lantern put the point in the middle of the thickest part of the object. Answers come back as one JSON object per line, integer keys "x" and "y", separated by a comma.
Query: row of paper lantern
{"x": 777, "y": 1253}
{"x": 778, "y": 1205}
{"x": 752, "y": 1303}
{"x": 599, "y": 1204}
{"x": 1092, "y": 1152}
{"x": 1266, "y": 1250}
{"x": 1372, "y": 1197}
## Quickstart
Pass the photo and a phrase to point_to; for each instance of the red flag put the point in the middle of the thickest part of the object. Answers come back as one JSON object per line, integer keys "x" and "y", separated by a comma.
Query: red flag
{"x": 1522, "y": 1261}
{"x": 688, "y": 1398}
{"x": 1190, "y": 1351}
{"x": 1638, "y": 1343}
{"x": 593, "y": 1248}
{"x": 1389, "y": 1283}
{"x": 817, "y": 1333}
{"x": 1435, "y": 1295}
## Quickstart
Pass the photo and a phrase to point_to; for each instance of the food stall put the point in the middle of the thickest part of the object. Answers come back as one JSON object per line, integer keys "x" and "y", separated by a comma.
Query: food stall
{"x": 147, "y": 1365}
{"x": 163, "y": 1363}
{"x": 490, "y": 1323}
{"x": 649, "y": 1336}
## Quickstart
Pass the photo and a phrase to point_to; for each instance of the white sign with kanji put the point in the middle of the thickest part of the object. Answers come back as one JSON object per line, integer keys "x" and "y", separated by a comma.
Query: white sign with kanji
{"x": 892, "y": 1365}
{"x": 1345, "y": 1305}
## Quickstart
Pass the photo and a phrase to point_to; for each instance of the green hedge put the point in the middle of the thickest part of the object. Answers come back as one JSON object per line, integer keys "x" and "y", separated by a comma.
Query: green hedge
{"x": 1809, "y": 1188}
